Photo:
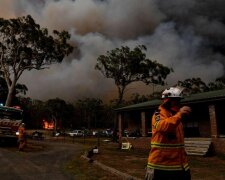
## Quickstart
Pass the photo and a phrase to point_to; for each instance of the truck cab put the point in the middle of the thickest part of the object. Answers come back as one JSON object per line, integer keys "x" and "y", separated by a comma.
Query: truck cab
{"x": 10, "y": 120}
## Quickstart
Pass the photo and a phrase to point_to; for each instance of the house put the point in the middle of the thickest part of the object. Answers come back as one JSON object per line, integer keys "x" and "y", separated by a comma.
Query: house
{"x": 207, "y": 119}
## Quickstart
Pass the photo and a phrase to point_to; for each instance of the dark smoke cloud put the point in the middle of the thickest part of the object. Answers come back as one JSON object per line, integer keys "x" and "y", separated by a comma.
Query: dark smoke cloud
{"x": 187, "y": 35}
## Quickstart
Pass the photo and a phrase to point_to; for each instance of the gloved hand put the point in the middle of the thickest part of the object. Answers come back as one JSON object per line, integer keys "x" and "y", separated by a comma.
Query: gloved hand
{"x": 185, "y": 110}
{"x": 149, "y": 174}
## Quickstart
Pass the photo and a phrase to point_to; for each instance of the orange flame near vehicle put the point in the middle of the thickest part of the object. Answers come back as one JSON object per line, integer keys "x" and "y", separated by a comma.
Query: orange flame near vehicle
{"x": 48, "y": 125}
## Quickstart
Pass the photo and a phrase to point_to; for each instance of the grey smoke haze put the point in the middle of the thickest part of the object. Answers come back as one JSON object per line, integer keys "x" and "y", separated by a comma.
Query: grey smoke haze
{"x": 187, "y": 35}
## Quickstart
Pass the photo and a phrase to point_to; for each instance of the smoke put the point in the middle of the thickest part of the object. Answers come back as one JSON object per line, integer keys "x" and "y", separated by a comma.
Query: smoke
{"x": 7, "y": 8}
{"x": 187, "y": 35}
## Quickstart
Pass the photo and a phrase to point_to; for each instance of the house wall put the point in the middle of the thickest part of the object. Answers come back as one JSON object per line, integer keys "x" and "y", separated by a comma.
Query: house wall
{"x": 204, "y": 128}
{"x": 220, "y": 118}
{"x": 197, "y": 125}
{"x": 213, "y": 122}
{"x": 203, "y": 119}
{"x": 219, "y": 145}
{"x": 148, "y": 114}
{"x": 134, "y": 121}
{"x": 210, "y": 119}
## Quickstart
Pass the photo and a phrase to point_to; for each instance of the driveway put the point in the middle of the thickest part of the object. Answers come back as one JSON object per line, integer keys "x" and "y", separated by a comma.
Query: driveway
{"x": 42, "y": 160}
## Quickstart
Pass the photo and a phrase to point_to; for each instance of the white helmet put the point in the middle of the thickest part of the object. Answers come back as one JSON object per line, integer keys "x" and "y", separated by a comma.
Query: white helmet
{"x": 173, "y": 92}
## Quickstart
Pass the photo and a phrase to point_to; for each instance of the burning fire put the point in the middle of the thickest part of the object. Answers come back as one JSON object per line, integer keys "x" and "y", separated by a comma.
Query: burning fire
{"x": 48, "y": 125}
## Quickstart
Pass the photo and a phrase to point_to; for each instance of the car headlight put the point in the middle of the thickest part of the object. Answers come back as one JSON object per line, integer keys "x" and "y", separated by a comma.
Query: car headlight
{"x": 17, "y": 133}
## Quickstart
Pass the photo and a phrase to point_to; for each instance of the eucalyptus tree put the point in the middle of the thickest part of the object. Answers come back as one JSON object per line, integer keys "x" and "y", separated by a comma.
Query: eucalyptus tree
{"x": 194, "y": 85}
{"x": 19, "y": 89}
{"x": 218, "y": 84}
{"x": 24, "y": 46}
{"x": 197, "y": 85}
{"x": 126, "y": 66}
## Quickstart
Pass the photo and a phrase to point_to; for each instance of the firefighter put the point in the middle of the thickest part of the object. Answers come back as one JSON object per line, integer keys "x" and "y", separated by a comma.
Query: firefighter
{"x": 167, "y": 158}
{"x": 22, "y": 137}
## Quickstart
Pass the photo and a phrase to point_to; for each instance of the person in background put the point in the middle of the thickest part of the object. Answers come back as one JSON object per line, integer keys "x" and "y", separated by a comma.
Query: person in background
{"x": 167, "y": 158}
{"x": 22, "y": 137}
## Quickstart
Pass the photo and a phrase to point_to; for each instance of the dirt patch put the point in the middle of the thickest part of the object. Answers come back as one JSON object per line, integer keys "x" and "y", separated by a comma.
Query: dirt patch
{"x": 40, "y": 160}
{"x": 31, "y": 147}
{"x": 35, "y": 147}
{"x": 125, "y": 161}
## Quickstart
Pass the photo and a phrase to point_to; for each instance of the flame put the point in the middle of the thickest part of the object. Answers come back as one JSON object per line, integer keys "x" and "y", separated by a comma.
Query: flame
{"x": 48, "y": 125}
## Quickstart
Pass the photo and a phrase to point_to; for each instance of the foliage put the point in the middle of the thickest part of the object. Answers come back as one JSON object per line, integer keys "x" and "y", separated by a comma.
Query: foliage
{"x": 34, "y": 112}
{"x": 89, "y": 109}
{"x": 196, "y": 85}
{"x": 136, "y": 98}
{"x": 24, "y": 45}
{"x": 218, "y": 84}
{"x": 86, "y": 113}
{"x": 126, "y": 66}
{"x": 59, "y": 111}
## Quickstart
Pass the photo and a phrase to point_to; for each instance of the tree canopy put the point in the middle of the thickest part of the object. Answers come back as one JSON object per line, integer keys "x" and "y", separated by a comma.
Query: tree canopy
{"x": 196, "y": 85}
{"x": 89, "y": 109}
{"x": 59, "y": 111}
{"x": 24, "y": 45}
{"x": 126, "y": 66}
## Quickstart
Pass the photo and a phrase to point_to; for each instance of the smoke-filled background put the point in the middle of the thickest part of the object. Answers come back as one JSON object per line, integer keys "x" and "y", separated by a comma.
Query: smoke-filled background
{"x": 187, "y": 35}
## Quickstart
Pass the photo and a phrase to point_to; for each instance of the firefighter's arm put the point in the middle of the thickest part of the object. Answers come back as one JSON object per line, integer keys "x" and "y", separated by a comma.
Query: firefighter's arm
{"x": 168, "y": 124}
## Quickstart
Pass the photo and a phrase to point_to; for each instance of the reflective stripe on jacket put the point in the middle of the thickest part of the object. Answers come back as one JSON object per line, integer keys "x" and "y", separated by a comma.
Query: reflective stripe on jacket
{"x": 167, "y": 143}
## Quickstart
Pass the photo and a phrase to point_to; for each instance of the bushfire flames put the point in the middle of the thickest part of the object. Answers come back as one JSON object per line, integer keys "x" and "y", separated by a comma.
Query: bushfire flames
{"x": 48, "y": 124}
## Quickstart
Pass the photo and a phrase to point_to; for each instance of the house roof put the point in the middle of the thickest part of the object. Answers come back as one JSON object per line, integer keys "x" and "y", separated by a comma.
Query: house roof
{"x": 210, "y": 96}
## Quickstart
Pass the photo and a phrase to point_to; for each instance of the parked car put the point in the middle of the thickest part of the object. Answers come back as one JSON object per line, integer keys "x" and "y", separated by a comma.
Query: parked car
{"x": 132, "y": 133}
{"x": 95, "y": 133}
{"x": 103, "y": 133}
{"x": 37, "y": 135}
{"x": 76, "y": 133}
{"x": 87, "y": 132}
{"x": 57, "y": 134}
{"x": 107, "y": 133}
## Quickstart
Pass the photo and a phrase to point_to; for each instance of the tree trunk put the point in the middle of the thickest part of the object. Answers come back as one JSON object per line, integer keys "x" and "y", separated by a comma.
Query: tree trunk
{"x": 89, "y": 121}
{"x": 9, "y": 97}
{"x": 120, "y": 98}
{"x": 55, "y": 122}
{"x": 11, "y": 89}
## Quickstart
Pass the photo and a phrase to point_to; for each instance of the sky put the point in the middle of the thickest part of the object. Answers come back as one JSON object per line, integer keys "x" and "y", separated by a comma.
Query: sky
{"x": 186, "y": 35}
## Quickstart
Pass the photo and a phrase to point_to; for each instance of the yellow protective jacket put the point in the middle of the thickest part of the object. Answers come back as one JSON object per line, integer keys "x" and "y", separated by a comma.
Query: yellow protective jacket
{"x": 167, "y": 143}
{"x": 21, "y": 133}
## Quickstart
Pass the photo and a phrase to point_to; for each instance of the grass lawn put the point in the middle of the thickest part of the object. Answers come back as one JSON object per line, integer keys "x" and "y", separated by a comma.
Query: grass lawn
{"x": 134, "y": 161}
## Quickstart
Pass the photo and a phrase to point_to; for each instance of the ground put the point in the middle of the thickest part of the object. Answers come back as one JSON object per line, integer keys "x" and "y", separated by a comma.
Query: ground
{"x": 52, "y": 158}
{"x": 40, "y": 160}
{"x": 134, "y": 161}
{"x": 60, "y": 158}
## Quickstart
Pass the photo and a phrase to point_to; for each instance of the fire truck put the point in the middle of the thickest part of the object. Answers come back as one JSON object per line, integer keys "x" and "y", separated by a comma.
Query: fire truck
{"x": 10, "y": 120}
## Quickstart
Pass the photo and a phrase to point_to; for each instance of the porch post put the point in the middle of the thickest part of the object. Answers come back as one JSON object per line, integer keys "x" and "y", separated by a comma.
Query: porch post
{"x": 143, "y": 124}
{"x": 120, "y": 124}
{"x": 120, "y": 127}
{"x": 213, "y": 122}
